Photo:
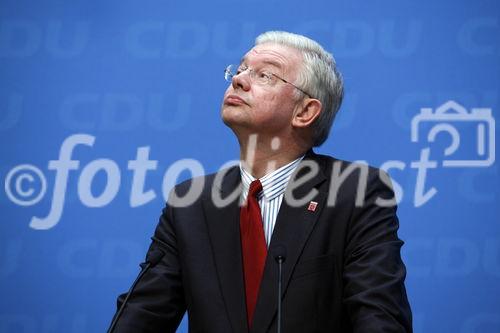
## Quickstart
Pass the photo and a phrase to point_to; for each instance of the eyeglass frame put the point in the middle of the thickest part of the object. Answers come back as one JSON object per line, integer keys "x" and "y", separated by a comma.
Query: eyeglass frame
{"x": 229, "y": 75}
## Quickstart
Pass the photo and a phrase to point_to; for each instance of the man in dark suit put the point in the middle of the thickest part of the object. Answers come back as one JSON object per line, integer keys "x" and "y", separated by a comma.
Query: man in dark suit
{"x": 333, "y": 222}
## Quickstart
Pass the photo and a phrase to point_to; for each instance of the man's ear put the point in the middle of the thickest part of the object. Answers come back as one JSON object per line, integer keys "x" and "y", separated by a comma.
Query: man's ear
{"x": 306, "y": 113}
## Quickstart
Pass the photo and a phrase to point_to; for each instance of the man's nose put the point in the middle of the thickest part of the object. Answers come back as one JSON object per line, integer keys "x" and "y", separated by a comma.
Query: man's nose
{"x": 241, "y": 81}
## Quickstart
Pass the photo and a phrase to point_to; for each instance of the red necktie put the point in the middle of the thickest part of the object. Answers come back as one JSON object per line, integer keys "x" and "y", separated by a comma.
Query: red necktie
{"x": 253, "y": 247}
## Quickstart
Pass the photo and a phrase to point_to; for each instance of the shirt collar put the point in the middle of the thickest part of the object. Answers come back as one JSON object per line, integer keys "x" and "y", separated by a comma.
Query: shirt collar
{"x": 273, "y": 184}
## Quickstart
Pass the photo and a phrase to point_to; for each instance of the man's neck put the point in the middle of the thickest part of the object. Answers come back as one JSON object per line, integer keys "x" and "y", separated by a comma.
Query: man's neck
{"x": 260, "y": 162}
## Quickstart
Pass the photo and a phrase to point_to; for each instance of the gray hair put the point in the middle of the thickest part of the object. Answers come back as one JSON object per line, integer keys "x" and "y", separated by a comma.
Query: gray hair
{"x": 319, "y": 77}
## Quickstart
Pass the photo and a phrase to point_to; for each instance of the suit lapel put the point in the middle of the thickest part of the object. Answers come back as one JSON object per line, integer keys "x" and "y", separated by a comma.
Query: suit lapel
{"x": 224, "y": 233}
{"x": 292, "y": 229}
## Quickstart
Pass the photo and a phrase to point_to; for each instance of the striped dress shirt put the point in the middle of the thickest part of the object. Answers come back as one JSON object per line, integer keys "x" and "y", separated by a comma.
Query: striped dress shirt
{"x": 273, "y": 192}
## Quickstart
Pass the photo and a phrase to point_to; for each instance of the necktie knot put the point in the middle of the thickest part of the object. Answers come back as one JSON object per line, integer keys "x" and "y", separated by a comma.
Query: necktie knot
{"x": 255, "y": 188}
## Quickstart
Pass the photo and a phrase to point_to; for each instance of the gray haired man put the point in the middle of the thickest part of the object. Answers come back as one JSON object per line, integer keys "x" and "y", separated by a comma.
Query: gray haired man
{"x": 332, "y": 224}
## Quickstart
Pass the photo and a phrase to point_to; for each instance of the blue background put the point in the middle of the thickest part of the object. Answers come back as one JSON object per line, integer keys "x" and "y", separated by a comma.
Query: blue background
{"x": 149, "y": 74}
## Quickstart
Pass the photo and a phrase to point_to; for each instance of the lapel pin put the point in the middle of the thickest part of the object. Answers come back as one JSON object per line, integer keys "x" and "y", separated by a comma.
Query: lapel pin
{"x": 312, "y": 206}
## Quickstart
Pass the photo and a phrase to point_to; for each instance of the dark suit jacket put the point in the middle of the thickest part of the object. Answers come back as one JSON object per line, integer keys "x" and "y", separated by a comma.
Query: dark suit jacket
{"x": 343, "y": 271}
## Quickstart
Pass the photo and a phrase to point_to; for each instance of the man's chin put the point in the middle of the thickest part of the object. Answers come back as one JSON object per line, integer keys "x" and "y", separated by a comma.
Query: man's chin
{"x": 229, "y": 122}
{"x": 230, "y": 114}
{"x": 226, "y": 119}
{"x": 234, "y": 119}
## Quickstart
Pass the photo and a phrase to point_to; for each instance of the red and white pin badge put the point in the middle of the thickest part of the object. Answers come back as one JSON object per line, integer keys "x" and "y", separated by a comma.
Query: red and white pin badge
{"x": 312, "y": 206}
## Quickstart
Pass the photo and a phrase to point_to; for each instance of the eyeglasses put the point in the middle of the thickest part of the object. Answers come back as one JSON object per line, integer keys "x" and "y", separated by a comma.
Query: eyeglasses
{"x": 261, "y": 77}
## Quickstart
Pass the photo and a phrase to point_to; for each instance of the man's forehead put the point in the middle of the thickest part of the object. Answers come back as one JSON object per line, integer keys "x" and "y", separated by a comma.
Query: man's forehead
{"x": 271, "y": 54}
